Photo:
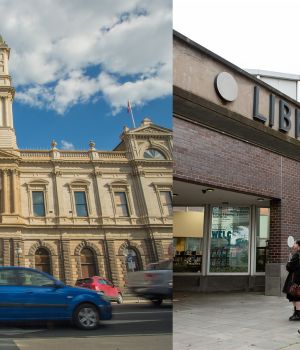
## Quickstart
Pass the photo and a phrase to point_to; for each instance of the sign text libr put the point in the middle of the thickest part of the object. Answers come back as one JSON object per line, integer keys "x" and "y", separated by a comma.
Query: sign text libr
{"x": 284, "y": 114}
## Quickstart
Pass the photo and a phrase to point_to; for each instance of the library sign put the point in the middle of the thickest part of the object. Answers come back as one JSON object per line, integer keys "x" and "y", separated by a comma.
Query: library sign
{"x": 283, "y": 115}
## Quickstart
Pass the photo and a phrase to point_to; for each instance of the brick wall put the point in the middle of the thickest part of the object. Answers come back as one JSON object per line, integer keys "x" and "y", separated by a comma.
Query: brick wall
{"x": 211, "y": 158}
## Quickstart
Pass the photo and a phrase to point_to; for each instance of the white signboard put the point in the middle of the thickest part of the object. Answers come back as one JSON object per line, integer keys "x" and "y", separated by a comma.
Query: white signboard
{"x": 290, "y": 241}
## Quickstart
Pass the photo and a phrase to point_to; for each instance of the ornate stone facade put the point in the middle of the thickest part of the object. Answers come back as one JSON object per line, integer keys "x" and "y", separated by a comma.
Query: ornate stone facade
{"x": 57, "y": 204}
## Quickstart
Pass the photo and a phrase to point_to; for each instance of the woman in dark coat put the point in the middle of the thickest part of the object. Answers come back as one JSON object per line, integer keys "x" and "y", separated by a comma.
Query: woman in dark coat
{"x": 293, "y": 267}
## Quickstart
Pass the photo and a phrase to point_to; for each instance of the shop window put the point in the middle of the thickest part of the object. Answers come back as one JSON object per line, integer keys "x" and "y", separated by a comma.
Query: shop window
{"x": 131, "y": 259}
{"x": 121, "y": 204}
{"x": 42, "y": 260}
{"x": 152, "y": 153}
{"x": 188, "y": 238}
{"x": 87, "y": 261}
{"x": 262, "y": 236}
{"x": 80, "y": 203}
{"x": 229, "y": 239}
{"x": 166, "y": 202}
{"x": 38, "y": 203}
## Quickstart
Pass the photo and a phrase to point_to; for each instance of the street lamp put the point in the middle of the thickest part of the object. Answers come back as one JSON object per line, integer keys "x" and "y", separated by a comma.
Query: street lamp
{"x": 18, "y": 252}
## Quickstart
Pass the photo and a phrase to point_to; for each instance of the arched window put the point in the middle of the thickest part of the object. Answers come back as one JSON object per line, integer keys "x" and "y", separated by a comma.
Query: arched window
{"x": 152, "y": 153}
{"x": 42, "y": 260}
{"x": 87, "y": 261}
{"x": 131, "y": 259}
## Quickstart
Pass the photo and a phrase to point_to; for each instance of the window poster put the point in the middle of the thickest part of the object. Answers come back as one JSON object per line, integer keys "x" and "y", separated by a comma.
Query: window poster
{"x": 229, "y": 241}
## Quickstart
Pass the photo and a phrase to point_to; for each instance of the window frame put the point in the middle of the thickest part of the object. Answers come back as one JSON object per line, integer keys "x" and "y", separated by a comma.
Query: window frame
{"x": 121, "y": 187}
{"x": 48, "y": 264}
{"x": 87, "y": 264}
{"x": 79, "y": 186}
{"x": 37, "y": 186}
{"x": 154, "y": 158}
{"x": 35, "y": 205}
{"x": 167, "y": 212}
{"x": 85, "y": 204}
{"x": 120, "y": 206}
{"x": 158, "y": 188}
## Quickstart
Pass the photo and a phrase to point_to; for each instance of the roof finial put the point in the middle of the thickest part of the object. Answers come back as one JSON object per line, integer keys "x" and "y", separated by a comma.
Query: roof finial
{"x": 2, "y": 42}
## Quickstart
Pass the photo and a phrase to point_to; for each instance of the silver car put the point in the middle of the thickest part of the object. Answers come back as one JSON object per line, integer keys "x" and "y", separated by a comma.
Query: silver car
{"x": 155, "y": 283}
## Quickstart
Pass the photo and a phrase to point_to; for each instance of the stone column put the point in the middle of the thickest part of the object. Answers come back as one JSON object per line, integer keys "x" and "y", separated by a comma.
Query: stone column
{"x": 97, "y": 193}
{"x": 6, "y": 113}
{"x": 6, "y": 252}
{"x": 159, "y": 249}
{"x": 11, "y": 113}
{"x": 15, "y": 190}
{"x": 5, "y": 190}
{"x": 66, "y": 260}
{"x": 111, "y": 260}
{"x": 1, "y": 111}
{"x": 58, "y": 200}
{"x": 151, "y": 246}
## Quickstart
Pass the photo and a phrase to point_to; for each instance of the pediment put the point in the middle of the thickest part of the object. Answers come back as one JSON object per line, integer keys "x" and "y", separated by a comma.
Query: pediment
{"x": 8, "y": 155}
{"x": 152, "y": 129}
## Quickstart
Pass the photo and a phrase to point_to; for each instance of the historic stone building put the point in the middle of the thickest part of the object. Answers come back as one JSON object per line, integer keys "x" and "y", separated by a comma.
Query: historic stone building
{"x": 79, "y": 213}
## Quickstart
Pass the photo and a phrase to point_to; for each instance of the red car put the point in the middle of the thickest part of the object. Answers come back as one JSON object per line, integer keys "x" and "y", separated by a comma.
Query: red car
{"x": 103, "y": 286}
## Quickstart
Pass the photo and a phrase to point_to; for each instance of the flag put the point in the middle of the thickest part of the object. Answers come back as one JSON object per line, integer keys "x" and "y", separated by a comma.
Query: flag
{"x": 129, "y": 110}
{"x": 129, "y": 107}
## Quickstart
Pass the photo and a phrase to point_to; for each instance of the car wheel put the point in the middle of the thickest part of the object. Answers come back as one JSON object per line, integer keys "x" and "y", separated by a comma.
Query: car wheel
{"x": 120, "y": 299}
{"x": 157, "y": 301}
{"x": 86, "y": 316}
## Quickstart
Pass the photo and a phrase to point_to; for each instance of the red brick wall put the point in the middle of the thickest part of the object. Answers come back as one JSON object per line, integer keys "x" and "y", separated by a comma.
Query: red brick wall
{"x": 212, "y": 158}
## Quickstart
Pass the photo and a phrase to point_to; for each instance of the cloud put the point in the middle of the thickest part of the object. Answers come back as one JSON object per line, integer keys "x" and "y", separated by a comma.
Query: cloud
{"x": 129, "y": 45}
{"x": 67, "y": 145}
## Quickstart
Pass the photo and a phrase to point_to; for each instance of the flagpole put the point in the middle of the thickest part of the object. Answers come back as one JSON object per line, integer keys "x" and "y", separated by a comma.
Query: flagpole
{"x": 130, "y": 111}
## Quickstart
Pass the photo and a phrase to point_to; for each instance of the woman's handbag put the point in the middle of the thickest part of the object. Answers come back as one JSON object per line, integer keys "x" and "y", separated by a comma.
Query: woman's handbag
{"x": 294, "y": 289}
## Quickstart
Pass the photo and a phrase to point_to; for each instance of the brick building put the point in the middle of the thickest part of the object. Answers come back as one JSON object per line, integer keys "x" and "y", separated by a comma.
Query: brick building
{"x": 236, "y": 175}
{"x": 80, "y": 213}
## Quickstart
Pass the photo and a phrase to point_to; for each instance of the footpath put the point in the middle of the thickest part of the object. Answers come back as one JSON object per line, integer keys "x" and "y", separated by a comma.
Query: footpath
{"x": 233, "y": 321}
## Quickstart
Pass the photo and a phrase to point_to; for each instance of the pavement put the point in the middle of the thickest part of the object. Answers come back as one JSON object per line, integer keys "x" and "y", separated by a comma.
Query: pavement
{"x": 233, "y": 321}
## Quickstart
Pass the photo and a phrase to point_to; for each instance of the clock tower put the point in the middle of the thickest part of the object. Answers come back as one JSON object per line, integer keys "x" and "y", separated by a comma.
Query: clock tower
{"x": 7, "y": 92}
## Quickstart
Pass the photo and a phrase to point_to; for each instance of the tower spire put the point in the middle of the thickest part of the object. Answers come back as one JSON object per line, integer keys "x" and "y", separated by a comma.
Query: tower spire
{"x": 7, "y": 92}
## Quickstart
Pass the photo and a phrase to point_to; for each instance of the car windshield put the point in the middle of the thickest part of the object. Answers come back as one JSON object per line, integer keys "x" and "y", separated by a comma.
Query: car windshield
{"x": 22, "y": 277}
{"x": 84, "y": 280}
{"x": 33, "y": 278}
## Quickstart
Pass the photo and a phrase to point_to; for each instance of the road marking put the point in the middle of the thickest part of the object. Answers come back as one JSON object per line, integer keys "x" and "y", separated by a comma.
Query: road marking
{"x": 142, "y": 312}
{"x": 18, "y": 331}
{"x": 127, "y": 321}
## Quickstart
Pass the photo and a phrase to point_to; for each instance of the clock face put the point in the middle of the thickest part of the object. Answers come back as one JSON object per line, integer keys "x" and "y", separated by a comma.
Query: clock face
{"x": 152, "y": 153}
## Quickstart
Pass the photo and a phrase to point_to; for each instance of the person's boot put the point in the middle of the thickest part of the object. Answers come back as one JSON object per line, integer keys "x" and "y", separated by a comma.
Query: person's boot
{"x": 290, "y": 318}
{"x": 295, "y": 317}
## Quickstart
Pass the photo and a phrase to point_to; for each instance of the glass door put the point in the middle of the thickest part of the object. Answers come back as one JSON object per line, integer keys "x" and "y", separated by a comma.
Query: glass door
{"x": 262, "y": 236}
{"x": 229, "y": 240}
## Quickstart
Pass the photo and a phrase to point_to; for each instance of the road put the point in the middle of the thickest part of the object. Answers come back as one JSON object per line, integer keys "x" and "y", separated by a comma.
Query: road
{"x": 133, "y": 327}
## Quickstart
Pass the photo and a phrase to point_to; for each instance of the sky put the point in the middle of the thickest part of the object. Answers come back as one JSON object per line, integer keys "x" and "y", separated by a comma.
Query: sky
{"x": 75, "y": 64}
{"x": 255, "y": 34}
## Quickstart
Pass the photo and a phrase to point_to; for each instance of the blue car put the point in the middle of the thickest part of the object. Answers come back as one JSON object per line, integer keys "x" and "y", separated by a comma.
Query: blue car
{"x": 28, "y": 294}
